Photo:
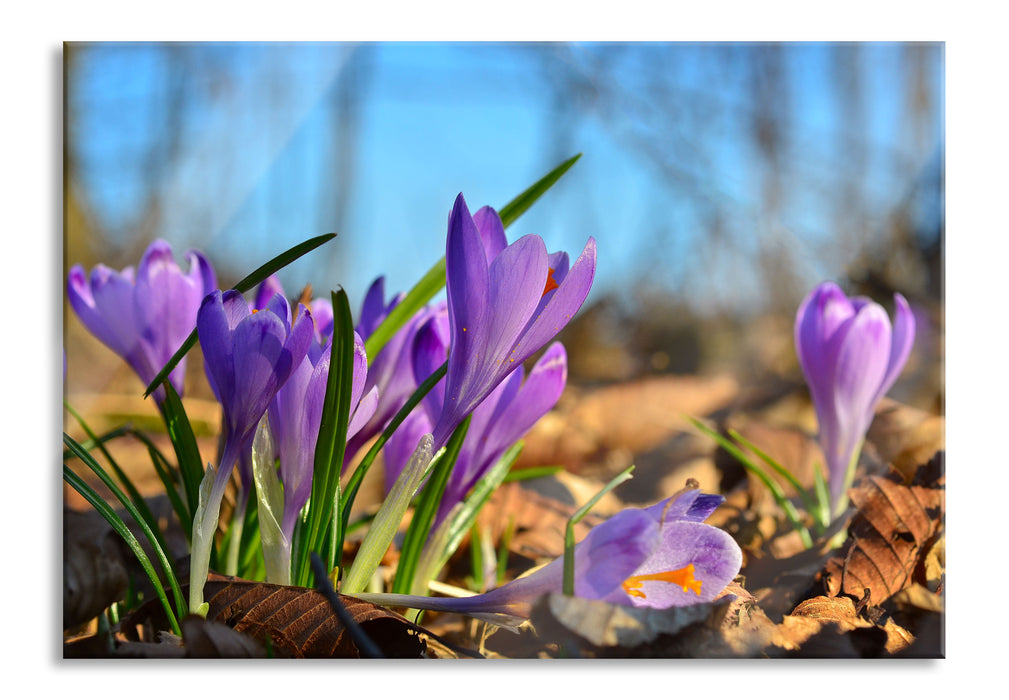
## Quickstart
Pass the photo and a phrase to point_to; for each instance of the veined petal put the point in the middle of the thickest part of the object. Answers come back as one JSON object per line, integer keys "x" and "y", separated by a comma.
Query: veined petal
{"x": 214, "y": 329}
{"x": 900, "y": 345}
{"x": 491, "y": 230}
{"x": 561, "y": 304}
{"x": 268, "y": 288}
{"x": 862, "y": 360}
{"x": 821, "y": 314}
{"x": 112, "y": 294}
{"x": 713, "y": 554}
{"x": 258, "y": 350}
{"x": 403, "y": 443}
{"x": 690, "y": 505}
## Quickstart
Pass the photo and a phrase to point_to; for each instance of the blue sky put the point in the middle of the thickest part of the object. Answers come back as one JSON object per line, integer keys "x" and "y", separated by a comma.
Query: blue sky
{"x": 245, "y": 165}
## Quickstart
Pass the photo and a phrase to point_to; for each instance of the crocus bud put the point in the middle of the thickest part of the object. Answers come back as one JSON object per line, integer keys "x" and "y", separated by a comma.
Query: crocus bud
{"x": 850, "y": 356}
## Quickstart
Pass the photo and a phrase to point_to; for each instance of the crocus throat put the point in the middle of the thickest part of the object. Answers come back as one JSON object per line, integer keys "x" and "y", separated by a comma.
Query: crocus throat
{"x": 551, "y": 282}
{"x": 681, "y": 577}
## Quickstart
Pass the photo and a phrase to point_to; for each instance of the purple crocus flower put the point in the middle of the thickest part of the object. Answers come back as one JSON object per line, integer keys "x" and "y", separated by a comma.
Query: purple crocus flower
{"x": 296, "y": 414}
{"x": 503, "y": 417}
{"x": 248, "y": 355}
{"x": 505, "y": 302}
{"x": 851, "y": 357}
{"x": 144, "y": 317}
{"x": 657, "y": 557}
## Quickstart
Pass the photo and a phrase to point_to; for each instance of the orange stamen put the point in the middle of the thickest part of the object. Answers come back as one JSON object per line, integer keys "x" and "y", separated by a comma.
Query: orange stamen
{"x": 551, "y": 282}
{"x": 681, "y": 577}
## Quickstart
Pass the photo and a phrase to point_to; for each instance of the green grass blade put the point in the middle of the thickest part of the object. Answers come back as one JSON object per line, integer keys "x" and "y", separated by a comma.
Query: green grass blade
{"x": 424, "y": 513}
{"x": 332, "y": 441}
{"x": 822, "y": 491}
{"x": 569, "y": 530}
{"x": 779, "y": 496}
{"x": 90, "y": 444}
{"x": 773, "y": 464}
{"x": 532, "y": 473}
{"x": 170, "y": 478}
{"x": 187, "y": 451}
{"x": 518, "y": 206}
{"x": 123, "y": 531}
{"x": 442, "y": 545}
{"x": 434, "y": 279}
{"x": 247, "y": 283}
{"x": 163, "y": 560}
{"x": 135, "y": 498}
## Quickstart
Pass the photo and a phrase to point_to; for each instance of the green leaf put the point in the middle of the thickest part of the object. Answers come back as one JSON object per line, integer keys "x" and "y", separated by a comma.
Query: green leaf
{"x": 424, "y": 513}
{"x": 120, "y": 528}
{"x": 135, "y": 498}
{"x": 518, "y": 206}
{"x": 247, "y": 283}
{"x": 159, "y": 551}
{"x": 527, "y": 473}
{"x": 387, "y": 521}
{"x": 332, "y": 441}
{"x": 779, "y": 496}
{"x": 773, "y": 464}
{"x": 434, "y": 279}
{"x": 446, "y": 540}
{"x": 569, "y": 531}
{"x": 170, "y": 478}
{"x": 187, "y": 451}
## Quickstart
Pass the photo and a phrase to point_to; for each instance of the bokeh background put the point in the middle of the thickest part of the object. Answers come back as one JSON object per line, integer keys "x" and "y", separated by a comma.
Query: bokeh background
{"x": 721, "y": 181}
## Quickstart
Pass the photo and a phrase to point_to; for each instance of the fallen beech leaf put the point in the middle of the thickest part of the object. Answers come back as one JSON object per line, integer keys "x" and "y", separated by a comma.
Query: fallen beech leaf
{"x": 94, "y": 566}
{"x": 206, "y": 639}
{"x": 905, "y": 436}
{"x": 298, "y": 621}
{"x": 889, "y": 536}
{"x": 301, "y": 623}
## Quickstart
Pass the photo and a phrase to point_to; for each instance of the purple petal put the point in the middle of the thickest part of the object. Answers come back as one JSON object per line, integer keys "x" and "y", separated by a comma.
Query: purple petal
{"x": 214, "y": 330}
{"x": 609, "y": 554}
{"x": 492, "y": 232}
{"x": 402, "y": 444}
{"x": 715, "y": 556}
{"x": 862, "y": 360}
{"x": 561, "y": 305}
{"x": 267, "y": 289}
{"x": 900, "y": 346}
{"x": 366, "y": 408}
{"x": 691, "y": 505}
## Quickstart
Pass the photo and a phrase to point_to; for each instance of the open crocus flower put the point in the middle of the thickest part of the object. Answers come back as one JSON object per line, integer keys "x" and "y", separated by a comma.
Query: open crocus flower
{"x": 507, "y": 413}
{"x": 144, "y": 317}
{"x": 658, "y": 557}
{"x": 505, "y": 302}
{"x": 248, "y": 355}
{"x": 851, "y": 356}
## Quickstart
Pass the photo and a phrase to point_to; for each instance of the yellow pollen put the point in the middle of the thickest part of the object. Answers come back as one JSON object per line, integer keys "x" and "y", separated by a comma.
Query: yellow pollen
{"x": 551, "y": 282}
{"x": 681, "y": 577}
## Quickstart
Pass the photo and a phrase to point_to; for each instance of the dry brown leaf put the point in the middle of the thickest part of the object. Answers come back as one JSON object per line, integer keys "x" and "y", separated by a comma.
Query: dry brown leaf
{"x": 893, "y": 530}
{"x": 206, "y": 639}
{"x": 94, "y": 566}
{"x": 905, "y": 437}
{"x": 299, "y": 622}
